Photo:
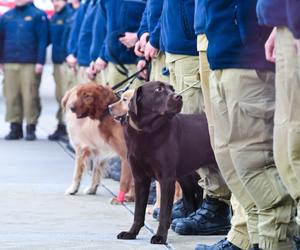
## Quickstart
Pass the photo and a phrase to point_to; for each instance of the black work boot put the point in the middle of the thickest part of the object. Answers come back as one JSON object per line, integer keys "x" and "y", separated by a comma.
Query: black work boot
{"x": 212, "y": 218}
{"x": 30, "y": 132}
{"x": 15, "y": 133}
{"x": 221, "y": 245}
{"x": 255, "y": 247}
{"x": 59, "y": 133}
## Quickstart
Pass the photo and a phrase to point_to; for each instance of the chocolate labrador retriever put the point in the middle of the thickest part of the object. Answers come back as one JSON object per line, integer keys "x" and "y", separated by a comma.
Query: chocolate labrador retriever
{"x": 164, "y": 145}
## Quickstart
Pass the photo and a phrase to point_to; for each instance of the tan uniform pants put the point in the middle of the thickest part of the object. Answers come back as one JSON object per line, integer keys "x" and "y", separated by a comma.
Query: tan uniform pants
{"x": 157, "y": 66}
{"x": 287, "y": 114}
{"x": 21, "y": 87}
{"x": 61, "y": 86}
{"x": 184, "y": 72}
{"x": 102, "y": 77}
{"x": 82, "y": 77}
{"x": 243, "y": 107}
{"x": 71, "y": 77}
{"x": 114, "y": 76}
{"x": 212, "y": 182}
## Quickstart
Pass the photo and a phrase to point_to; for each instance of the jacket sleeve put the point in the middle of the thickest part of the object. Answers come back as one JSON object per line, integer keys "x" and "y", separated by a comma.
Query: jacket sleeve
{"x": 1, "y": 38}
{"x": 155, "y": 36}
{"x": 144, "y": 23}
{"x": 42, "y": 34}
{"x": 75, "y": 30}
{"x": 293, "y": 14}
{"x": 99, "y": 33}
{"x": 103, "y": 51}
{"x": 66, "y": 33}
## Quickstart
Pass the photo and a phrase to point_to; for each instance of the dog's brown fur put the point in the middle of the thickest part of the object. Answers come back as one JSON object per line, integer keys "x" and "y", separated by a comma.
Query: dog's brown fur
{"x": 120, "y": 109}
{"x": 95, "y": 138}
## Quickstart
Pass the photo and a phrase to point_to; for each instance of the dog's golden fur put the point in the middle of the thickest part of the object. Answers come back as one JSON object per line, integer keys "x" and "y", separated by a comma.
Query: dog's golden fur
{"x": 95, "y": 140}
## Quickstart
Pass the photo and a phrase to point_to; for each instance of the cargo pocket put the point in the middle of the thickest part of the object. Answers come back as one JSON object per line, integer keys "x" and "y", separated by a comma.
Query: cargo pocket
{"x": 192, "y": 97}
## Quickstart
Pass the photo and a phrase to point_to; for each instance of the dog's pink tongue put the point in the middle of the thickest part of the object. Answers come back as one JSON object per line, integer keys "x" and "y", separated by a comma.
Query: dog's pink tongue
{"x": 121, "y": 196}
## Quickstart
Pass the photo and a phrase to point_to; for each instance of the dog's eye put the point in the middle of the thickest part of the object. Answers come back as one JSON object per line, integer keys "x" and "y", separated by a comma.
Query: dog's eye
{"x": 125, "y": 100}
{"x": 159, "y": 89}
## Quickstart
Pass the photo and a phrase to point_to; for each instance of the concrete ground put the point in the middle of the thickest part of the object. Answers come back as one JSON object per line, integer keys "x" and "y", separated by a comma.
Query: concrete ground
{"x": 34, "y": 212}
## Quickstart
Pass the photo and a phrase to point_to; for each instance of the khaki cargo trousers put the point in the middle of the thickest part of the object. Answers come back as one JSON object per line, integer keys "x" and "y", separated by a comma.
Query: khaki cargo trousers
{"x": 60, "y": 74}
{"x": 287, "y": 114}
{"x": 21, "y": 91}
{"x": 157, "y": 66}
{"x": 114, "y": 76}
{"x": 243, "y": 103}
{"x": 212, "y": 182}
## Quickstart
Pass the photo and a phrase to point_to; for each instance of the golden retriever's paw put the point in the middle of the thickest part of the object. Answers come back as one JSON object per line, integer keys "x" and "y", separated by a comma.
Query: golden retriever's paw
{"x": 126, "y": 236}
{"x": 90, "y": 190}
{"x": 115, "y": 201}
{"x": 71, "y": 190}
{"x": 158, "y": 239}
{"x": 129, "y": 198}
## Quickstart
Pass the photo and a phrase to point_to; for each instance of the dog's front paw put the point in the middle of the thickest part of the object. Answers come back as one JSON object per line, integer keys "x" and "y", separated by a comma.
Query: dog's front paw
{"x": 158, "y": 239}
{"x": 115, "y": 201}
{"x": 126, "y": 236}
{"x": 90, "y": 190}
{"x": 71, "y": 190}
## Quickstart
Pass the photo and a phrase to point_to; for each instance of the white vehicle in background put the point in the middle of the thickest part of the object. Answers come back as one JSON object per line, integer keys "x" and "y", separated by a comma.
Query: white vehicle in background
{"x": 45, "y": 5}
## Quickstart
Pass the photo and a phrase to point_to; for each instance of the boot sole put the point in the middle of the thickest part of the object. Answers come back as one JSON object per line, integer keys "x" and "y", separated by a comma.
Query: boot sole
{"x": 215, "y": 231}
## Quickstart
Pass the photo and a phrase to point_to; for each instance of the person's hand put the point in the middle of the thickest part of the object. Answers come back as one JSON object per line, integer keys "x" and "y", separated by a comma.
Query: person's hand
{"x": 150, "y": 51}
{"x": 39, "y": 68}
{"x": 71, "y": 61}
{"x": 140, "y": 45}
{"x": 141, "y": 64}
{"x": 129, "y": 40}
{"x": 270, "y": 47}
{"x": 296, "y": 43}
{"x": 144, "y": 40}
{"x": 91, "y": 72}
{"x": 99, "y": 65}
{"x": 138, "y": 49}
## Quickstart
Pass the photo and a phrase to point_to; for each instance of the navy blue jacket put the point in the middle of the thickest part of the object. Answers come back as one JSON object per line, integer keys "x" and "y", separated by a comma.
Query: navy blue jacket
{"x": 271, "y": 12}
{"x": 121, "y": 16}
{"x": 78, "y": 17}
{"x": 199, "y": 21}
{"x": 280, "y": 13}
{"x": 150, "y": 20}
{"x": 235, "y": 40}
{"x": 99, "y": 33}
{"x": 86, "y": 34}
{"x": 59, "y": 31}
{"x": 293, "y": 13}
{"x": 177, "y": 27}
{"x": 23, "y": 35}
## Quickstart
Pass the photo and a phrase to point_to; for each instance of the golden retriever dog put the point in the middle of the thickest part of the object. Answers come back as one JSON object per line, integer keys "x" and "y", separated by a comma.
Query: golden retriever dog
{"x": 119, "y": 111}
{"x": 96, "y": 137}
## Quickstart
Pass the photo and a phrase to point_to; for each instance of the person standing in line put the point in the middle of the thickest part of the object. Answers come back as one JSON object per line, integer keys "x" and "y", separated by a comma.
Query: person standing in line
{"x": 59, "y": 30}
{"x": 23, "y": 39}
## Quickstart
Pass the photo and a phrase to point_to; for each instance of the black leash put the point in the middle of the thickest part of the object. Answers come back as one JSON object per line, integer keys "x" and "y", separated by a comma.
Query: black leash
{"x": 132, "y": 78}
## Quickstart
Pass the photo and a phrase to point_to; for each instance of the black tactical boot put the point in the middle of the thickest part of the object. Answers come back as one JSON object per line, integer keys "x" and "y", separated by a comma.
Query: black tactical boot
{"x": 212, "y": 218}
{"x": 30, "y": 132}
{"x": 59, "y": 133}
{"x": 221, "y": 245}
{"x": 15, "y": 133}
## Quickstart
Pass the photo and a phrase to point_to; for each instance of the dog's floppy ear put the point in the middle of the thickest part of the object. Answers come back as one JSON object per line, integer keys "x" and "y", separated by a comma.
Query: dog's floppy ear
{"x": 133, "y": 105}
{"x": 65, "y": 99}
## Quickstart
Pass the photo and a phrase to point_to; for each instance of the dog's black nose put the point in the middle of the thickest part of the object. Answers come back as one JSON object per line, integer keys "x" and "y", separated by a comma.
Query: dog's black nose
{"x": 177, "y": 97}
